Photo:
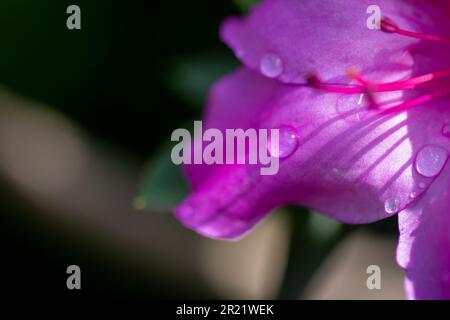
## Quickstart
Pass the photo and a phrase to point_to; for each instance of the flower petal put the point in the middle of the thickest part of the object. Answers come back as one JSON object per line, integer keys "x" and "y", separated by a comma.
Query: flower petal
{"x": 424, "y": 246}
{"x": 352, "y": 163}
{"x": 442, "y": 5}
{"x": 289, "y": 39}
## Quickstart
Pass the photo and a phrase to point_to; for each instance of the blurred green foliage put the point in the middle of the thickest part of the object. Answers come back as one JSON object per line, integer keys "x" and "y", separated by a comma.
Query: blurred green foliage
{"x": 135, "y": 72}
{"x": 191, "y": 77}
{"x": 163, "y": 185}
{"x": 114, "y": 76}
{"x": 245, "y": 5}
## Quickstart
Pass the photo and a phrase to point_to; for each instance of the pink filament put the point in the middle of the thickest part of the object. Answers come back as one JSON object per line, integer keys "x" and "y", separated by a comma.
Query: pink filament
{"x": 365, "y": 85}
{"x": 388, "y": 25}
{"x": 368, "y": 87}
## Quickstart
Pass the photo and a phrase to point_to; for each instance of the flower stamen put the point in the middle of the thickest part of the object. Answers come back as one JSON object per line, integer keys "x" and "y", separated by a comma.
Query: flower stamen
{"x": 364, "y": 85}
{"x": 370, "y": 88}
{"x": 315, "y": 82}
{"x": 421, "y": 100}
{"x": 411, "y": 83}
{"x": 387, "y": 25}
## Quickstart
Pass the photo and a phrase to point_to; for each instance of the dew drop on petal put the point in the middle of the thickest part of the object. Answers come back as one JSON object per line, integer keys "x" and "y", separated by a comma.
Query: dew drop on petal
{"x": 288, "y": 142}
{"x": 271, "y": 65}
{"x": 422, "y": 185}
{"x": 413, "y": 195}
{"x": 430, "y": 160}
{"x": 391, "y": 205}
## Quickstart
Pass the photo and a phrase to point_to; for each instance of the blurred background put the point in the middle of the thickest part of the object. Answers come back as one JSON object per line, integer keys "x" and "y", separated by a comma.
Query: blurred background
{"x": 85, "y": 172}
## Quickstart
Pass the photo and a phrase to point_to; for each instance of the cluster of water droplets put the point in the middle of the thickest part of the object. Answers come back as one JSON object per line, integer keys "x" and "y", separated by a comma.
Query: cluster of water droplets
{"x": 429, "y": 160}
{"x": 428, "y": 163}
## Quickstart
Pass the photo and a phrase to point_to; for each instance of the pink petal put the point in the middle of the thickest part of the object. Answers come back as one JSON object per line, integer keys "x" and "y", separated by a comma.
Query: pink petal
{"x": 353, "y": 164}
{"x": 289, "y": 39}
{"x": 424, "y": 247}
{"x": 443, "y": 5}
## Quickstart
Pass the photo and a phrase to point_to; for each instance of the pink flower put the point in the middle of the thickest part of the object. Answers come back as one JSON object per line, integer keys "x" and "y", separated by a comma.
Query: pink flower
{"x": 368, "y": 120}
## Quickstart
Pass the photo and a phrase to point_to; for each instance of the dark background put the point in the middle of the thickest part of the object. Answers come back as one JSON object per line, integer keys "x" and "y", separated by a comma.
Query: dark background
{"x": 111, "y": 78}
{"x": 136, "y": 71}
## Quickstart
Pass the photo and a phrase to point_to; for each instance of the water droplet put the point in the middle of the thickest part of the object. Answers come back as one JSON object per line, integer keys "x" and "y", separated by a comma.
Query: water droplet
{"x": 288, "y": 142}
{"x": 413, "y": 195}
{"x": 350, "y": 106}
{"x": 391, "y": 205}
{"x": 446, "y": 130}
{"x": 430, "y": 160}
{"x": 422, "y": 185}
{"x": 271, "y": 65}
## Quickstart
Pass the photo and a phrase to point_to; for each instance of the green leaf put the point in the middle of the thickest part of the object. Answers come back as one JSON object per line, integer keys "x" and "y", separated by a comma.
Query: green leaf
{"x": 163, "y": 184}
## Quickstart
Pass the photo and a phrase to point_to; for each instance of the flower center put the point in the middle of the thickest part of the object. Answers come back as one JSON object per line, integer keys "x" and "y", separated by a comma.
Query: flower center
{"x": 436, "y": 81}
